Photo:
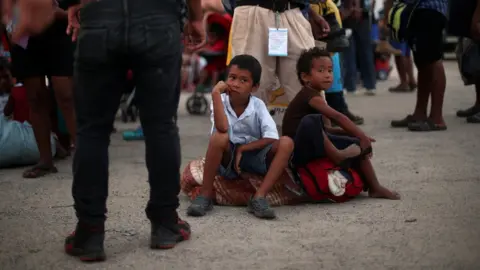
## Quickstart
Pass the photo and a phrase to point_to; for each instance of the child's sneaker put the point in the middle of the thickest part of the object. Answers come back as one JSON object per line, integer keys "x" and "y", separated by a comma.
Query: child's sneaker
{"x": 86, "y": 243}
{"x": 167, "y": 236}
{"x": 260, "y": 208}
{"x": 200, "y": 206}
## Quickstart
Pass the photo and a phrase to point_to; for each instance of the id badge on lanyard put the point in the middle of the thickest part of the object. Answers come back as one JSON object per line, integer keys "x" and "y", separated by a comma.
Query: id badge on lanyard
{"x": 277, "y": 39}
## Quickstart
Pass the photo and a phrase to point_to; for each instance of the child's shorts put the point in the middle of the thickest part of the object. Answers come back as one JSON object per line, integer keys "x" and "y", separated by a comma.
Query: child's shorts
{"x": 252, "y": 162}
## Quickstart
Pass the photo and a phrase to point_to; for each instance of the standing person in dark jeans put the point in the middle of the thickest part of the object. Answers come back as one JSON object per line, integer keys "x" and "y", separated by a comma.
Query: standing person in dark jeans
{"x": 359, "y": 20}
{"x": 425, "y": 38}
{"x": 116, "y": 36}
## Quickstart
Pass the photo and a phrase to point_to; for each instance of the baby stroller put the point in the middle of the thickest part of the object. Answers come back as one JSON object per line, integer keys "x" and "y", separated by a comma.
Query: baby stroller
{"x": 215, "y": 52}
{"x": 128, "y": 109}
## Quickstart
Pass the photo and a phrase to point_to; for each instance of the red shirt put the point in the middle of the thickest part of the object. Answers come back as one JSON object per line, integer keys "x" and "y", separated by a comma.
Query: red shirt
{"x": 21, "y": 110}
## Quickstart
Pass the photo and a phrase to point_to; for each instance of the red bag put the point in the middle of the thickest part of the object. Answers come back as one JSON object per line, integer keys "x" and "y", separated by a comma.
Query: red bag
{"x": 314, "y": 179}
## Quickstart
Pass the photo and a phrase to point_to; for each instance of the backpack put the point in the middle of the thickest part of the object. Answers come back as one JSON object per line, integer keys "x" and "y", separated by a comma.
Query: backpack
{"x": 322, "y": 181}
{"x": 399, "y": 18}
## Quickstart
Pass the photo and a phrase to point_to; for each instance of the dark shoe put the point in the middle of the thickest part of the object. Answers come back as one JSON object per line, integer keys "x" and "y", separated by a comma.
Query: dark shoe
{"x": 200, "y": 206}
{"x": 402, "y": 123}
{"x": 474, "y": 119}
{"x": 425, "y": 126}
{"x": 468, "y": 112}
{"x": 86, "y": 243}
{"x": 336, "y": 40}
{"x": 358, "y": 120}
{"x": 166, "y": 236}
{"x": 401, "y": 89}
{"x": 260, "y": 208}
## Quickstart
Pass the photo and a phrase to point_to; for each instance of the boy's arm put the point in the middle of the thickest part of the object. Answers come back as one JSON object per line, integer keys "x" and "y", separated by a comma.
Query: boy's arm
{"x": 332, "y": 130}
{"x": 220, "y": 120}
{"x": 322, "y": 107}
{"x": 269, "y": 131}
{"x": 8, "y": 110}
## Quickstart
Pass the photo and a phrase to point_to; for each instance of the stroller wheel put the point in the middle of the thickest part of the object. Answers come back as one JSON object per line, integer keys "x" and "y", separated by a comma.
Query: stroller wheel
{"x": 382, "y": 75}
{"x": 197, "y": 105}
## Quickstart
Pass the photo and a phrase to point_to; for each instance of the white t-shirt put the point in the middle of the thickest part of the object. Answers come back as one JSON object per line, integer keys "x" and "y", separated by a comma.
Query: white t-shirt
{"x": 3, "y": 102}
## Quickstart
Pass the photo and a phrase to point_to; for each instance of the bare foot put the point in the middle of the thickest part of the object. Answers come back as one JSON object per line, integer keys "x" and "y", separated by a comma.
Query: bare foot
{"x": 347, "y": 153}
{"x": 383, "y": 193}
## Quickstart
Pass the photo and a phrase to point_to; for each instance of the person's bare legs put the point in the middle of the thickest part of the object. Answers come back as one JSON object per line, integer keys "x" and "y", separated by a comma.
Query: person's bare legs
{"x": 375, "y": 189}
{"x": 401, "y": 69}
{"x": 39, "y": 99}
{"x": 425, "y": 75}
{"x": 437, "y": 81}
{"x": 408, "y": 63}
{"x": 336, "y": 155}
{"x": 63, "y": 88}
{"x": 279, "y": 155}
{"x": 218, "y": 148}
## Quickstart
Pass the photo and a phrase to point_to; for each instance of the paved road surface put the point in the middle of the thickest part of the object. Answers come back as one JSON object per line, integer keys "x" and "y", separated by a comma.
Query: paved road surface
{"x": 437, "y": 174}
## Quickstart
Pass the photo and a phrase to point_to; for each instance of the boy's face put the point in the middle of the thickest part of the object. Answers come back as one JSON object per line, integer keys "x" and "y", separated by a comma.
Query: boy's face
{"x": 240, "y": 82}
{"x": 321, "y": 74}
{"x": 6, "y": 82}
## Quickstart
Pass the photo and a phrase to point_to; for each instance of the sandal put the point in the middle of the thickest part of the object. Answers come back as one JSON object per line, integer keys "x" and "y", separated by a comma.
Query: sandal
{"x": 424, "y": 126}
{"x": 39, "y": 171}
{"x": 474, "y": 119}
{"x": 401, "y": 89}
{"x": 403, "y": 123}
{"x": 469, "y": 112}
{"x": 413, "y": 86}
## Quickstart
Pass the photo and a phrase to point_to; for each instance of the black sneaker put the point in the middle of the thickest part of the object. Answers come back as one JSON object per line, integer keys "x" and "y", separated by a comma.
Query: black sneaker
{"x": 86, "y": 243}
{"x": 260, "y": 208}
{"x": 165, "y": 236}
{"x": 200, "y": 206}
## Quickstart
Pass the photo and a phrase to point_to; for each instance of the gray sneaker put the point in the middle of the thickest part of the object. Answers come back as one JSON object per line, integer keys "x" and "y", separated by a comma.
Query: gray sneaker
{"x": 200, "y": 206}
{"x": 260, "y": 208}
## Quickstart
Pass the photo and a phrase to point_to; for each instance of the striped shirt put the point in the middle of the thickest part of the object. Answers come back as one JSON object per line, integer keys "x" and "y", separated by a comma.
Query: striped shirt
{"x": 438, "y": 5}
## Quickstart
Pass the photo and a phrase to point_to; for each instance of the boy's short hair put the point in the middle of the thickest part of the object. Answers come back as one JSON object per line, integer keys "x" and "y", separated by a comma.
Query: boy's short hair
{"x": 250, "y": 63}
{"x": 304, "y": 63}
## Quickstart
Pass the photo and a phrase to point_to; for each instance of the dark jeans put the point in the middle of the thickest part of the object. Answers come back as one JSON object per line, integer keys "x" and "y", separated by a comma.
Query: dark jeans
{"x": 143, "y": 36}
{"x": 360, "y": 48}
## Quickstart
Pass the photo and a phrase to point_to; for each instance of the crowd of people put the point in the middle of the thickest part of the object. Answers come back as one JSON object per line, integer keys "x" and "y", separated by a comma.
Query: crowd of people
{"x": 73, "y": 111}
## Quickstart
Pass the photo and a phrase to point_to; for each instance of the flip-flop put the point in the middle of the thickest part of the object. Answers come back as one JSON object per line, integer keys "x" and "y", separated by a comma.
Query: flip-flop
{"x": 468, "y": 112}
{"x": 425, "y": 126}
{"x": 474, "y": 119}
{"x": 403, "y": 123}
{"x": 413, "y": 87}
{"x": 39, "y": 171}
{"x": 400, "y": 89}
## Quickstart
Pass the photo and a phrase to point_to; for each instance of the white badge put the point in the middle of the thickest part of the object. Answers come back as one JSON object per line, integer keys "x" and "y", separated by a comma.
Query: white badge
{"x": 277, "y": 41}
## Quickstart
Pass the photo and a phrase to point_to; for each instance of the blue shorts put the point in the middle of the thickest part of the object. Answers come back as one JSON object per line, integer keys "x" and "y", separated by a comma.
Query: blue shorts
{"x": 252, "y": 162}
{"x": 402, "y": 46}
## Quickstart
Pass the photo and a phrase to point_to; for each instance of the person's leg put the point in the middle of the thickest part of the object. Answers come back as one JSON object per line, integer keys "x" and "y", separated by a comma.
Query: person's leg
{"x": 412, "y": 82}
{"x": 63, "y": 87}
{"x": 40, "y": 105}
{"x": 349, "y": 58}
{"x": 156, "y": 62}
{"x": 375, "y": 189}
{"x": 476, "y": 106}
{"x": 278, "y": 158}
{"x": 365, "y": 55}
{"x": 311, "y": 142}
{"x": 219, "y": 155}
{"x": 428, "y": 53}
{"x": 99, "y": 77}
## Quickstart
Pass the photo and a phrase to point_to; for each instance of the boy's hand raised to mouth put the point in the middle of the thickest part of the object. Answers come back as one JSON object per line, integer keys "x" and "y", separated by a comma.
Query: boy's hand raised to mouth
{"x": 221, "y": 88}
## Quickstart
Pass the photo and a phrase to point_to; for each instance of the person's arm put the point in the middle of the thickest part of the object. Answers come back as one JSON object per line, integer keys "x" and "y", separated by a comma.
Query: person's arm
{"x": 268, "y": 128}
{"x": 327, "y": 124}
{"x": 219, "y": 118}
{"x": 475, "y": 26}
{"x": 346, "y": 124}
{"x": 9, "y": 107}
{"x": 195, "y": 12}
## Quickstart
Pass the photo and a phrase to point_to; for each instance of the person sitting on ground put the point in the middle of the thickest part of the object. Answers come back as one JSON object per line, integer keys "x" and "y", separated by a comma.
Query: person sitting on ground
{"x": 308, "y": 118}
{"x": 244, "y": 138}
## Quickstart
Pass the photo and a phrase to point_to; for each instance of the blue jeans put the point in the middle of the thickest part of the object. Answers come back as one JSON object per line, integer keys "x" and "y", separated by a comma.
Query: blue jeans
{"x": 360, "y": 49}
{"x": 117, "y": 36}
